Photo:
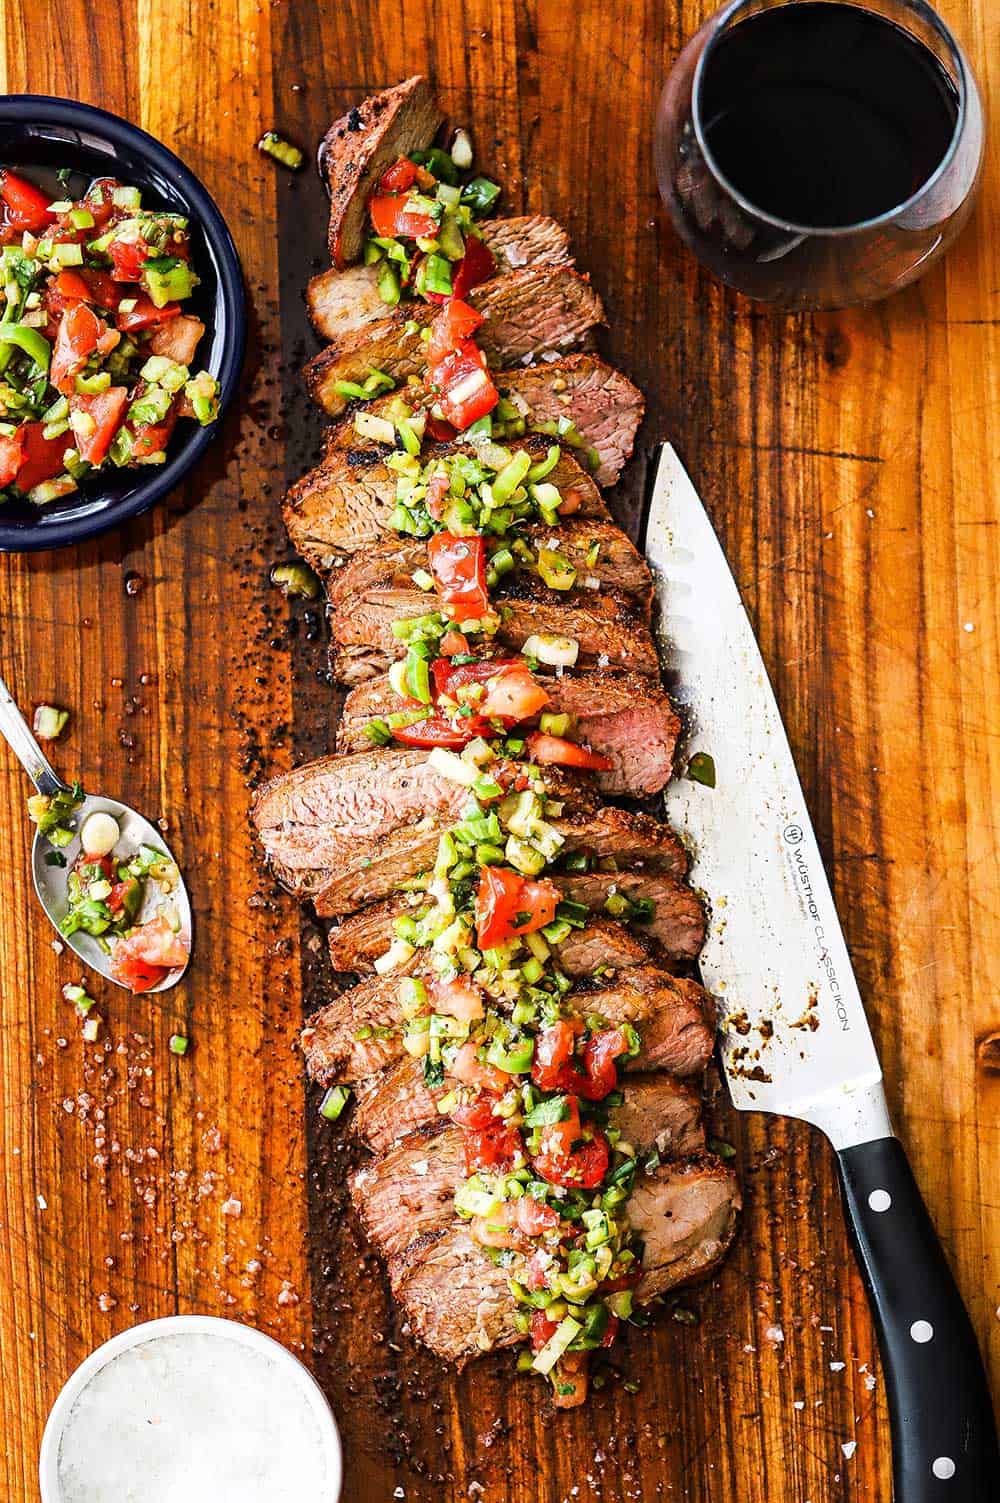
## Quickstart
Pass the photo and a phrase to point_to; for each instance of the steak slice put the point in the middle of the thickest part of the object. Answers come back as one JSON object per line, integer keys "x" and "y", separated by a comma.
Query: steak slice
{"x": 602, "y": 404}
{"x": 676, "y": 1019}
{"x": 678, "y": 921}
{"x": 363, "y": 144}
{"x": 624, "y": 716}
{"x": 455, "y": 1302}
{"x": 366, "y": 874}
{"x": 358, "y": 941}
{"x": 618, "y": 564}
{"x": 345, "y": 503}
{"x": 342, "y": 302}
{"x": 606, "y": 627}
{"x": 687, "y": 1219}
{"x": 526, "y": 314}
{"x": 325, "y": 811}
{"x": 410, "y": 1189}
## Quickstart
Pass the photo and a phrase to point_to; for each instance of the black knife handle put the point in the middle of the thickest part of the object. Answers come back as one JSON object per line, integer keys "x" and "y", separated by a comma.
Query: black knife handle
{"x": 944, "y": 1434}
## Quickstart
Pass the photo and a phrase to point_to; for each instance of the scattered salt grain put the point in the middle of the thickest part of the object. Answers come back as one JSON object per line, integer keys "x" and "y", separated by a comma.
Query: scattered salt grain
{"x": 232, "y": 1207}
{"x": 43, "y": 1204}
{"x": 849, "y": 1447}
{"x": 837, "y": 1367}
{"x": 775, "y": 1335}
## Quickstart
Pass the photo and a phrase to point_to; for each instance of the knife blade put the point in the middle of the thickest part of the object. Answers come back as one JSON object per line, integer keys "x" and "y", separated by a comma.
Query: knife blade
{"x": 794, "y": 1038}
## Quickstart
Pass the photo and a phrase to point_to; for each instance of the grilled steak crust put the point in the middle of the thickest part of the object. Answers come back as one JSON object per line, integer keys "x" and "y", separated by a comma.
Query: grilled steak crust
{"x": 687, "y": 1219}
{"x": 410, "y": 1189}
{"x": 605, "y": 625}
{"x": 342, "y": 302}
{"x": 618, "y": 566}
{"x": 365, "y": 875}
{"x": 676, "y": 1017}
{"x": 344, "y": 504}
{"x": 603, "y": 405}
{"x": 363, "y": 144}
{"x": 358, "y": 941}
{"x": 526, "y": 314}
{"x": 624, "y": 716}
{"x": 321, "y": 812}
{"x": 454, "y": 1301}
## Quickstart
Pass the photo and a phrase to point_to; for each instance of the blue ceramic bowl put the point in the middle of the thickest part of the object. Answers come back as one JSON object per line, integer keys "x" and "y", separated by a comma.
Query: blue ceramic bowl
{"x": 36, "y": 130}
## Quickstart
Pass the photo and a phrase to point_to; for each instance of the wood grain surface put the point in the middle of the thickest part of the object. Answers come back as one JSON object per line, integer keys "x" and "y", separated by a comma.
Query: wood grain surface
{"x": 849, "y": 462}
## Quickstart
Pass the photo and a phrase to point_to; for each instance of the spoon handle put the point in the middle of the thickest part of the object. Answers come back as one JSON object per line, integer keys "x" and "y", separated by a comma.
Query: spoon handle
{"x": 14, "y": 728}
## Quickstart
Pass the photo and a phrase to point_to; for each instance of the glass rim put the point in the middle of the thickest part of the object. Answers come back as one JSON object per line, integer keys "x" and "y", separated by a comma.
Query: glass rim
{"x": 720, "y": 24}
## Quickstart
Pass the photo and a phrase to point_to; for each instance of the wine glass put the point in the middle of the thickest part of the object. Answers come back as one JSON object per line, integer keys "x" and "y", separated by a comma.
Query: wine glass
{"x": 777, "y": 109}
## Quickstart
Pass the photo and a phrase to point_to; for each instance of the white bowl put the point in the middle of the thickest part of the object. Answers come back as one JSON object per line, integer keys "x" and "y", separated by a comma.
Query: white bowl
{"x": 294, "y": 1371}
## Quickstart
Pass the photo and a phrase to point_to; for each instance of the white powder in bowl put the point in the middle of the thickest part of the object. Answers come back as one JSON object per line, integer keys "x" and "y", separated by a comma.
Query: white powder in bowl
{"x": 193, "y": 1418}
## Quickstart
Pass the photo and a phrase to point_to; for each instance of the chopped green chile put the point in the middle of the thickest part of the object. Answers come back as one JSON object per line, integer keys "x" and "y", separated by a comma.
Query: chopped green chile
{"x": 701, "y": 769}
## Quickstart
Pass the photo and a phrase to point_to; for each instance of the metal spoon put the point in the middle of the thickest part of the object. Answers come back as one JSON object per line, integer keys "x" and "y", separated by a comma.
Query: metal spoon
{"x": 51, "y": 879}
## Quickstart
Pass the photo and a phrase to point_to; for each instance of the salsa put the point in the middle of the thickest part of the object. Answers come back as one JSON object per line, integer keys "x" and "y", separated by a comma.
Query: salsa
{"x": 97, "y": 351}
{"x": 110, "y": 891}
{"x": 513, "y": 1058}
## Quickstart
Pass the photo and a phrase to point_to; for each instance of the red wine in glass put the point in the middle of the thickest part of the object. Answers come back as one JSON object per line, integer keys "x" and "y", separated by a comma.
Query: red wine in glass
{"x": 817, "y": 153}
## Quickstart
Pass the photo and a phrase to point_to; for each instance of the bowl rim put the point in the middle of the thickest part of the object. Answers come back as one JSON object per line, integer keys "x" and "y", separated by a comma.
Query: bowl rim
{"x": 42, "y": 109}
{"x": 179, "y": 1325}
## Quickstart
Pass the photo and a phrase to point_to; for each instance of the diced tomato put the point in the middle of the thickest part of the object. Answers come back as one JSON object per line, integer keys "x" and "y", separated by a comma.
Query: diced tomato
{"x": 497, "y": 1147}
{"x": 100, "y": 202}
{"x": 145, "y": 314}
{"x": 155, "y": 943}
{"x": 135, "y": 973}
{"x": 392, "y": 218}
{"x": 553, "y": 1051}
{"x": 458, "y": 999}
{"x": 465, "y": 387}
{"x": 440, "y": 431}
{"x": 127, "y": 257}
{"x": 508, "y": 905}
{"x": 11, "y": 455}
{"x": 582, "y": 1168}
{"x": 453, "y": 643}
{"x": 477, "y": 265}
{"x": 450, "y": 679}
{"x": 79, "y": 332}
{"x": 152, "y": 438}
{"x": 105, "y": 865}
{"x": 477, "y": 1114}
{"x": 435, "y": 731}
{"x": 106, "y": 409}
{"x": 513, "y": 694}
{"x": 25, "y": 206}
{"x": 400, "y": 176}
{"x": 459, "y": 569}
{"x": 556, "y": 749}
{"x": 70, "y": 284}
{"x": 468, "y": 1069}
{"x": 42, "y": 458}
{"x": 542, "y": 1329}
{"x": 120, "y": 893}
{"x": 599, "y": 1055}
{"x": 451, "y": 330}
{"x": 533, "y": 1217}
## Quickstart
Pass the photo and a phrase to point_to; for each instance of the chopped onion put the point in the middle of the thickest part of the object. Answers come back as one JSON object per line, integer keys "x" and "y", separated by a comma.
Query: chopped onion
{"x": 557, "y": 652}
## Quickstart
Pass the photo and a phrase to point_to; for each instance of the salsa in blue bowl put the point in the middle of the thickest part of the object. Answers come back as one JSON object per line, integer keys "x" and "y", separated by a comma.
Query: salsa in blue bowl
{"x": 56, "y": 148}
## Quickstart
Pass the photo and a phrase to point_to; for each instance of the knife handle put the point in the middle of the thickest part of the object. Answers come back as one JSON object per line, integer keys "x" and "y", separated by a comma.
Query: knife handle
{"x": 944, "y": 1435}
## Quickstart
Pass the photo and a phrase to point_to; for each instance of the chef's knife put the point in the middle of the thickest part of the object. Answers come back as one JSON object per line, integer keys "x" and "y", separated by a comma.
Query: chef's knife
{"x": 795, "y": 1039}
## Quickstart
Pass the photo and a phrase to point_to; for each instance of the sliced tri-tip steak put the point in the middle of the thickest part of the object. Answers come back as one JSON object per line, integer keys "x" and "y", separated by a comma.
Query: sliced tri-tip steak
{"x": 358, "y": 941}
{"x": 363, "y": 144}
{"x": 339, "y": 808}
{"x": 342, "y": 302}
{"x": 605, "y": 626}
{"x": 624, "y": 716}
{"x": 527, "y": 314}
{"x": 374, "y": 870}
{"x": 602, "y": 404}
{"x": 359, "y": 1033}
{"x": 677, "y": 922}
{"x": 686, "y": 1218}
{"x": 410, "y": 1189}
{"x": 458, "y": 1303}
{"x": 345, "y": 503}
{"x": 602, "y": 556}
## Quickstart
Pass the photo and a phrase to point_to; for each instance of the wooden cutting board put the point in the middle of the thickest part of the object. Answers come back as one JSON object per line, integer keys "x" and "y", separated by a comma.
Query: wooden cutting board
{"x": 849, "y": 462}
